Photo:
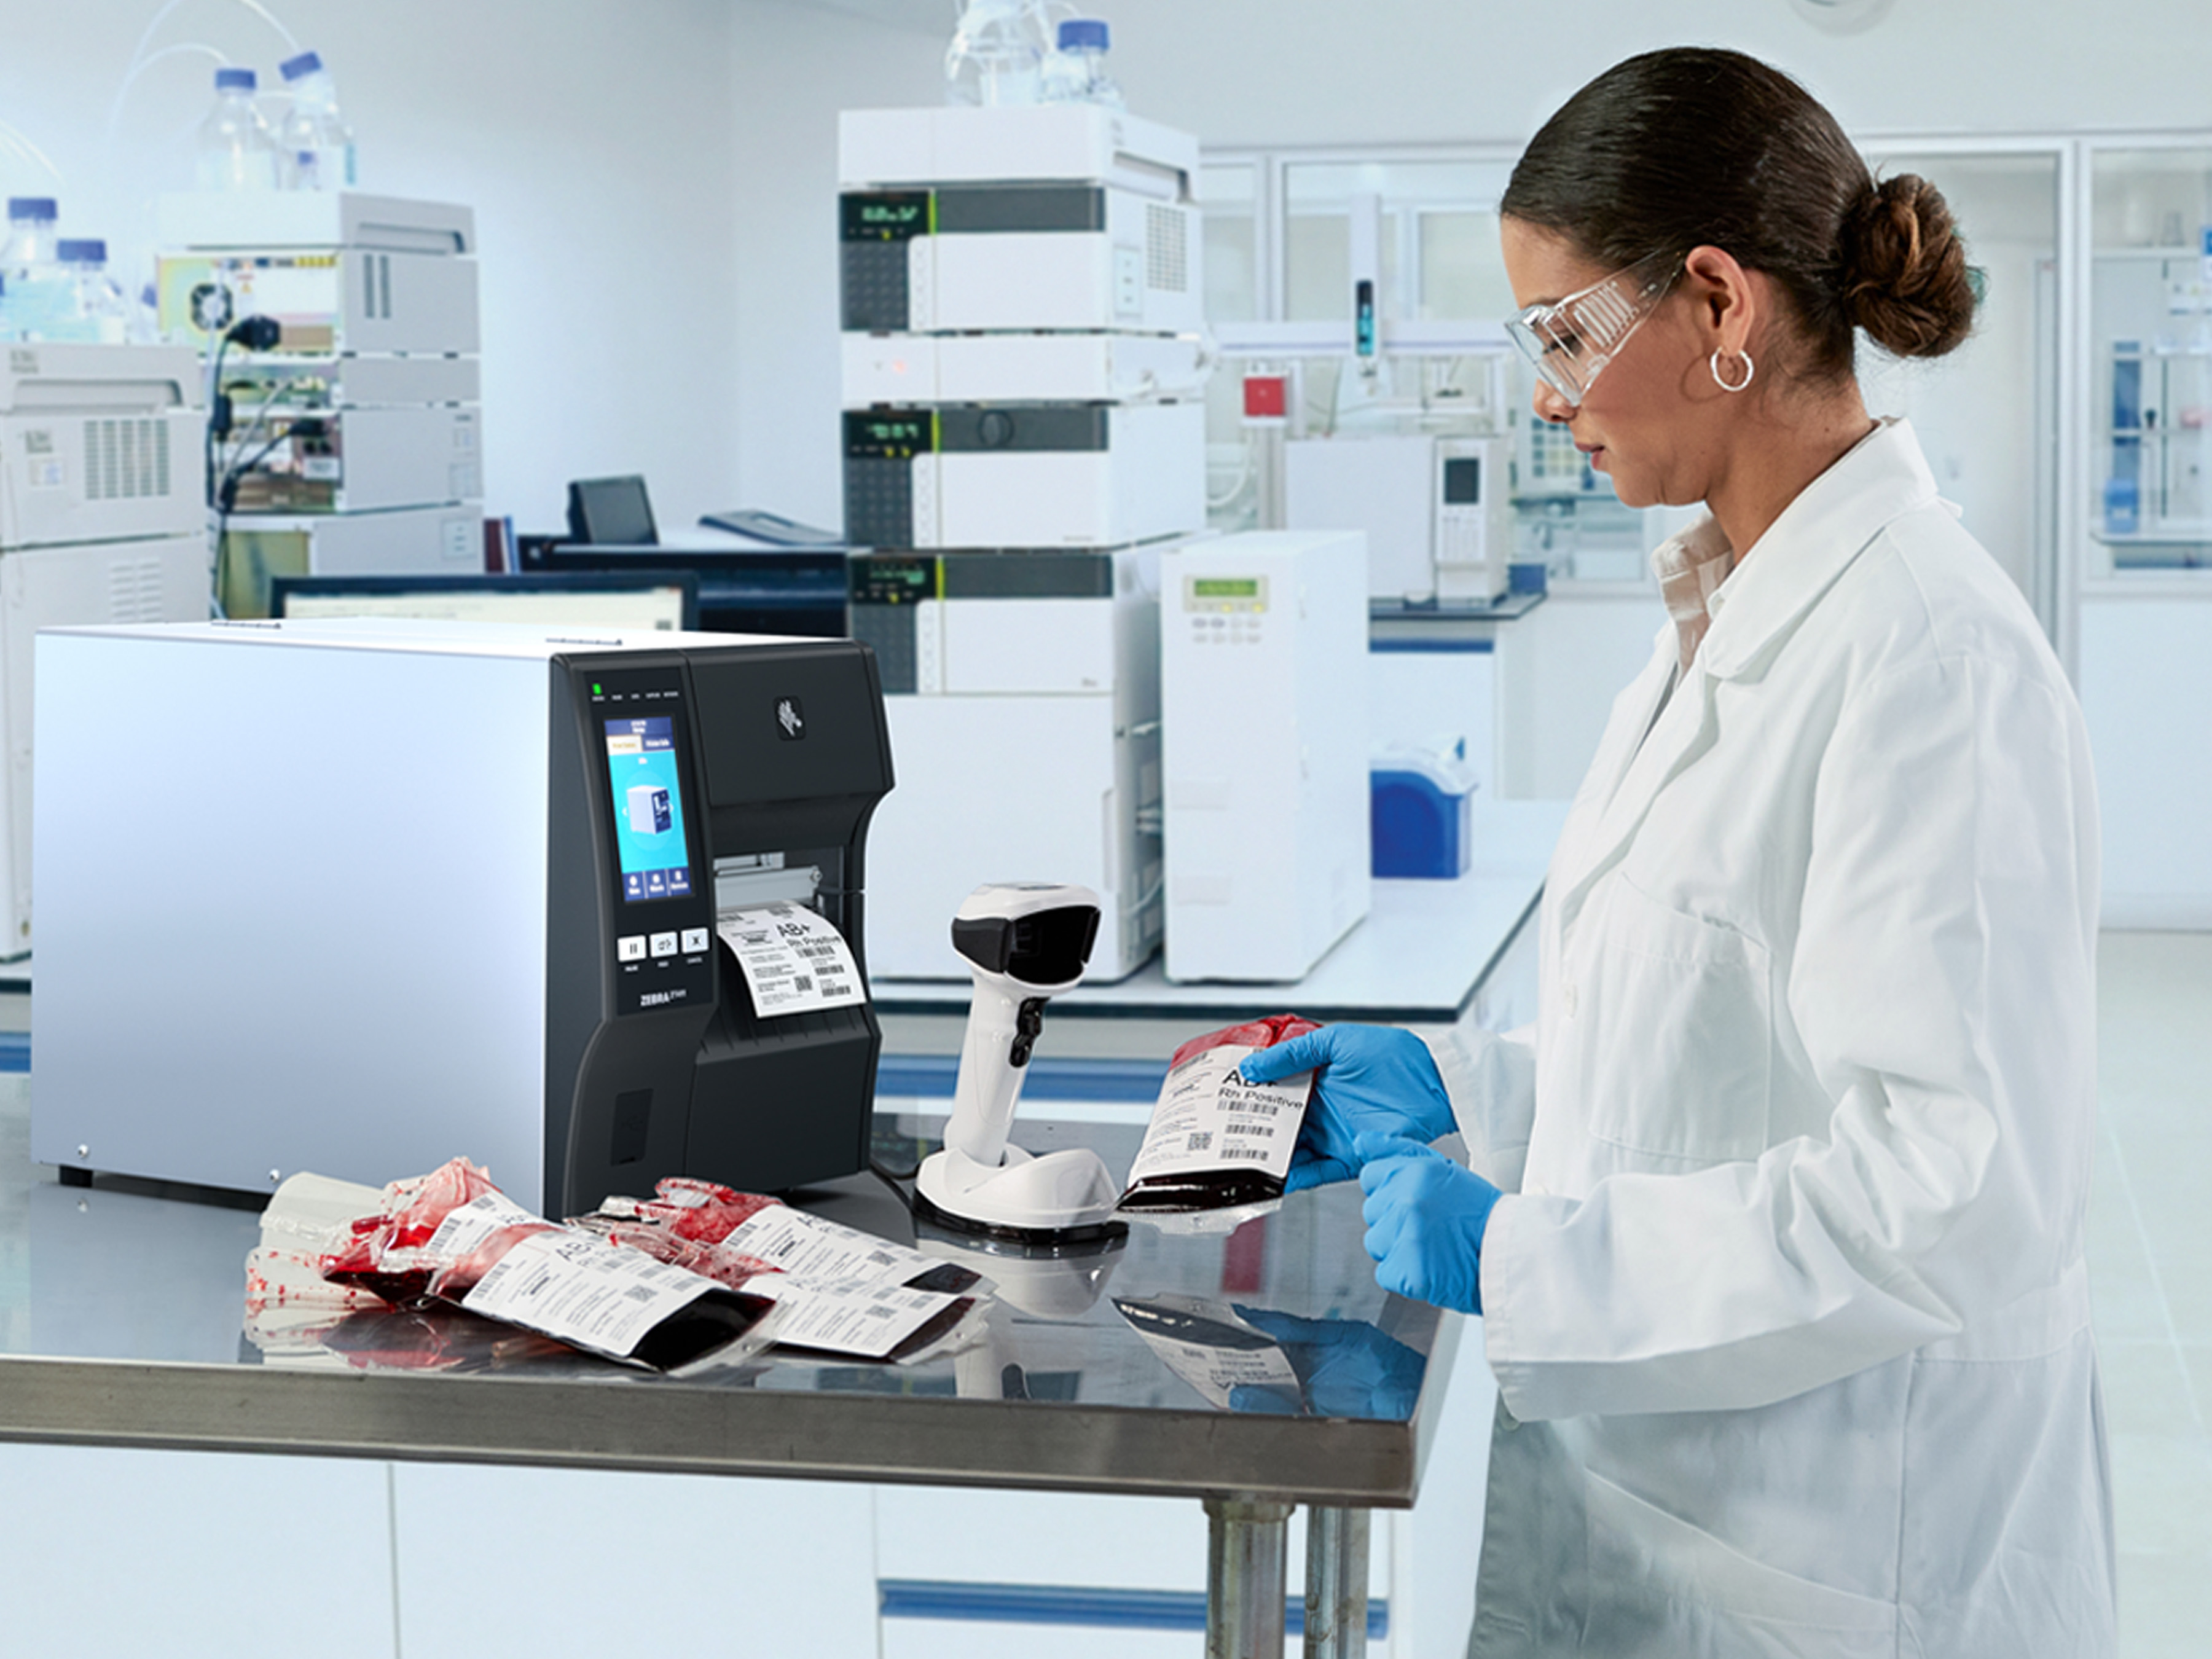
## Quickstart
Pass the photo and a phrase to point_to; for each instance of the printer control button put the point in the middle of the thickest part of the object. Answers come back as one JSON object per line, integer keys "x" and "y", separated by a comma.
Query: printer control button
{"x": 630, "y": 947}
{"x": 694, "y": 938}
{"x": 664, "y": 945}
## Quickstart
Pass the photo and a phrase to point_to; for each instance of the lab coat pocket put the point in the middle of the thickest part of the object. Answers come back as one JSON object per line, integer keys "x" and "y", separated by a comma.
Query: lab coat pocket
{"x": 1675, "y": 1053}
{"x": 1660, "y": 1584}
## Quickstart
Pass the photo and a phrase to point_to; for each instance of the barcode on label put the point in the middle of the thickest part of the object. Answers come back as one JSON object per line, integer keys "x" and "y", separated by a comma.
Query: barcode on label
{"x": 801, "y": 983}
{"x": 1198, "y": 1141}
{"x": 1268, "y": 1129}
{"x": 640, "y": 1293}
{"x": 1258, "y": 1107}
{"x": 823, "y": 949}
{"x": 878, "y": 1310}
{"x": 1254, "y": 1152}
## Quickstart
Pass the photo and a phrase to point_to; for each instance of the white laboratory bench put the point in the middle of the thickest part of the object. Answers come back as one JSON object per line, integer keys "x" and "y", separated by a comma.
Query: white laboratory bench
{"x": 1430, "y": 953}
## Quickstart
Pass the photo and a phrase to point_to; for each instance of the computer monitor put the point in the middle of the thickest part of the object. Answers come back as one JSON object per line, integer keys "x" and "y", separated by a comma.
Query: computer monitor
{"x": 636, "y": 599}
{"x": 614, "y": 511}
{"x": 764, "y": 589}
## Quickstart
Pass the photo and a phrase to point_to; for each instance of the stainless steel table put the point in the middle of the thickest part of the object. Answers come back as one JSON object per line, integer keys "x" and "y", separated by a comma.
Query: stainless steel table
{"x": 121, "y": 1325}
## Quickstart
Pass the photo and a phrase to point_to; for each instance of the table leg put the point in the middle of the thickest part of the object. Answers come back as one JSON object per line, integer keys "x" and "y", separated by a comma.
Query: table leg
{"x": 1336, "y": 1583}
{"x": 1247, "y": 1546}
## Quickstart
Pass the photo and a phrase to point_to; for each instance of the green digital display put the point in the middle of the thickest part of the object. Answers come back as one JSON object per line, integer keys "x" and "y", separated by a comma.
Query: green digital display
{"x": 875, "y": 436}
{"x": 884, "y": 215}
{"x": 1224, "y": 587}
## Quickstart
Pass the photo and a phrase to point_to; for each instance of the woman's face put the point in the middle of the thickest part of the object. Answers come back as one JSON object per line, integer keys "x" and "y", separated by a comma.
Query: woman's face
{"x": 1645, "y": 424}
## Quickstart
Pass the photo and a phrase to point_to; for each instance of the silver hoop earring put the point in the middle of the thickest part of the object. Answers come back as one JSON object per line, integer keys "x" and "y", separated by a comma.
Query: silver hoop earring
{"x": 1749, "y": 369}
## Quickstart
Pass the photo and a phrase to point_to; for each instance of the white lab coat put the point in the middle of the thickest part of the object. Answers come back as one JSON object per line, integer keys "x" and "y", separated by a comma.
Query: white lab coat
{"x": 1788, "y": 1312}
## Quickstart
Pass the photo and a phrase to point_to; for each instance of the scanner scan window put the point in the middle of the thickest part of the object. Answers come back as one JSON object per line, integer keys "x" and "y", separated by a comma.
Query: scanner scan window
{"x": 648, "y": 802}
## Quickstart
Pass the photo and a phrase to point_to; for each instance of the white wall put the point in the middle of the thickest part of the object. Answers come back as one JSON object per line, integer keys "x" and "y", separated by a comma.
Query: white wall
{"x": 792, "y": 68}
{"x": 1322, "y": 72}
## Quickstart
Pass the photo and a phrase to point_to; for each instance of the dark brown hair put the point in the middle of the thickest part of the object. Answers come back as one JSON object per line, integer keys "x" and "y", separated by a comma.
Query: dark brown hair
{"x": 1672, "y": 150}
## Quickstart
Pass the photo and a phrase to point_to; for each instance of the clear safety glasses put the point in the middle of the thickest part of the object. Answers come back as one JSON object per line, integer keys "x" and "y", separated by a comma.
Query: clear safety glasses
{"x": 1570, "y": 340}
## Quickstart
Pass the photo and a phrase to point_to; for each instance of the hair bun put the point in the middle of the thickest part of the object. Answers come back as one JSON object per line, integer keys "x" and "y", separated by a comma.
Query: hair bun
{"x": 1906, "y": 280}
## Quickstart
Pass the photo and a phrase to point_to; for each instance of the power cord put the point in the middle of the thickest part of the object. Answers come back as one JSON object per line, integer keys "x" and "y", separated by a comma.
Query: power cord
{"x": 253, "y": 334}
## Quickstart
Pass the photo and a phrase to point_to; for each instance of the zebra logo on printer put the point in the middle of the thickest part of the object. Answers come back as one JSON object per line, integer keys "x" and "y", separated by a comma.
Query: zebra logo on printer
{"x": 790, "y": 719}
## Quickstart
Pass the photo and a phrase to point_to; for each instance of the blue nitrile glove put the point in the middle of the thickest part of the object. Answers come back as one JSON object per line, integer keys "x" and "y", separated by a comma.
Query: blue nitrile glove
{"x": 1373, "y": 1077}
{"x": 1345, "y": 1367}
{"x": 1426, "y": 1217}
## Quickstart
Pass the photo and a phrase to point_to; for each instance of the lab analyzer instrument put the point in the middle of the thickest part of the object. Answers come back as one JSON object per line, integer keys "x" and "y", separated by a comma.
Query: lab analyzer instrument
{"x": 101, "y": 521}
{"x": 1265, "y": 750}
{"x": 1024, "y": 428}
{"x": 582, "y": 906}
{"x": 1023, "y": 475}
{"x": 1067, "y": 216}
{"x": 1022, "y": 692}
{"x": 1024, "y": 943}
{"x": 348, "y": 446}
{"x": 1437, "y": 511}
{"x": 903, "y": 370}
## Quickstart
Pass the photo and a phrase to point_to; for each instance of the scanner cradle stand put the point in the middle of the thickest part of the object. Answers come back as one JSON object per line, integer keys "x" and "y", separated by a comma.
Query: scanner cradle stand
{"x": 1060, "y": 1196}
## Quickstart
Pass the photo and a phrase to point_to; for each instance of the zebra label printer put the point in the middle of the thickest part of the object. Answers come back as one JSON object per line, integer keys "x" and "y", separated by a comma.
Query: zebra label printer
{"x": 359, "y": 897}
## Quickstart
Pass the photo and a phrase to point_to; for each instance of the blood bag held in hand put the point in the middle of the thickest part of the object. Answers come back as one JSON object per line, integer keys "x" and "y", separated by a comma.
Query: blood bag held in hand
{"x": 1215, "y": 1140}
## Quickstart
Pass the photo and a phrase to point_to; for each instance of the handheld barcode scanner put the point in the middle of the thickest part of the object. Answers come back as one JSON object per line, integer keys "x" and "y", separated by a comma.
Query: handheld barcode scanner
{"x": 1028, "y": 942}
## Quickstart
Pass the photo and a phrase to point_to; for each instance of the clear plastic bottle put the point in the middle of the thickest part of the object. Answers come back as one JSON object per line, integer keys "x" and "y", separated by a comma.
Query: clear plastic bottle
{"x": 1075, "y": 73}
{"x": 101, "y": 314}
{"x": 316, "y": 143}
{"x": 37, "y": 296}
{"x": 236, "y": 149}
{"x": 995, "y": 55}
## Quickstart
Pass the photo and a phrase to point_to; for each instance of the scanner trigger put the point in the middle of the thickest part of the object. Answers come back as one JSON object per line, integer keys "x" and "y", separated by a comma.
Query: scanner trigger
{"x": 1028, "y": 1024}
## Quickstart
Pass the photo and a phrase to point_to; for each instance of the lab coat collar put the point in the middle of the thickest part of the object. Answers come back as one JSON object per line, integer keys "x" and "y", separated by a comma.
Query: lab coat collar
{"x": 1755, "y": 612}
{"x": 1831, "y": 521}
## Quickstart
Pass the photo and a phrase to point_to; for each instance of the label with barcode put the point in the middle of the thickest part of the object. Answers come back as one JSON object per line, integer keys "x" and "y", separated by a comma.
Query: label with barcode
{"x": 848, "y": 1316}
{"x": 585, "y": 1291}
{"x": 1209, "y": 1118}
{"x": 465, "y": 1228}
{"x": 794, "y": 960}
{"x": 813, "y": 1251}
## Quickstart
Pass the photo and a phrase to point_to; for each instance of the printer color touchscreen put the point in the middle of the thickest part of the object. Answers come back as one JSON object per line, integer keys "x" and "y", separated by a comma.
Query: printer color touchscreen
{"x": 648, "y": 804}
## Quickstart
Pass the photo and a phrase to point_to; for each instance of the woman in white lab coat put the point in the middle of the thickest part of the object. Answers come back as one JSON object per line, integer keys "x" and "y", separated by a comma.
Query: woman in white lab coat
{"x": 1785, "y": 1290}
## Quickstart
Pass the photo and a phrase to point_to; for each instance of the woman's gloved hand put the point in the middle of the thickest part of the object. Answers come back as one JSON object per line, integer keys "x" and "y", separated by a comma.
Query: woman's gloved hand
{"x": 1426, "y": 1217}
{"x": 1376, "y": 1078}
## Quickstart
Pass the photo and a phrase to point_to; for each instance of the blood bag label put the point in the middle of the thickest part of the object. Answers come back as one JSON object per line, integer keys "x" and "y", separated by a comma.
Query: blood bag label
{"x": 794, "y": 960}
{"x": 853, "y": 1317}
{"x": 466, "y": 1228}
{"x": 1209, "y": 1118}
{"x": 583, "y": 1290}
{"x": 811, "y": 1249}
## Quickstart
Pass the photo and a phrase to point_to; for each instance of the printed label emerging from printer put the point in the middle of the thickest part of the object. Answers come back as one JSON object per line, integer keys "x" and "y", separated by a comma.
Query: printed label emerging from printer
{"x": 648, "y": 802}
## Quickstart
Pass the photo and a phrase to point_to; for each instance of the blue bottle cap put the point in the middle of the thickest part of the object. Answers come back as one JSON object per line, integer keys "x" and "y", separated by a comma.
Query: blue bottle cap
{"x": 306, "y": 62}
{"x": 81, "y": 251}
{"x": 235, "y": 80}
{"x": 1078, "y": 32}
{"x": 40, "y": 208}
